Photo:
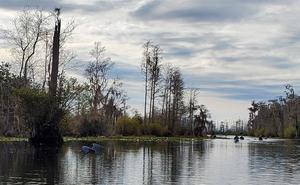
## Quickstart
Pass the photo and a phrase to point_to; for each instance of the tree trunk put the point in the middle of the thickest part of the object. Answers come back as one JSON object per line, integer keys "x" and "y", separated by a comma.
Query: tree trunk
{"x": 48, "y": 134}
{"x": 146, "y": 93}
{"x": 55, "y": 60}
{"x": 46, "y": 63}
{"x": 151, "y": 97}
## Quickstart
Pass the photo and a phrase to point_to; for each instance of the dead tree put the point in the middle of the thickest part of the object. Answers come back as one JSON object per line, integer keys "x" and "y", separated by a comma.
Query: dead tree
{"x": 48, "y": 133}
{"x": 145, "y": 70}
{"x": 155, "y": 76}
{"x": 27, "y": 32}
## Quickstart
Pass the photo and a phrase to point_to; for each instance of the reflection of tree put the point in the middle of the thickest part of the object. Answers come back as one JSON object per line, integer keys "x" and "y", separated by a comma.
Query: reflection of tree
{"x": 174, "y": 158}
{"x": 118, "y": 163}
{"x": 19, "y": 159}
{"x": 47, "y": 161}
{"x": 176, "y": 163}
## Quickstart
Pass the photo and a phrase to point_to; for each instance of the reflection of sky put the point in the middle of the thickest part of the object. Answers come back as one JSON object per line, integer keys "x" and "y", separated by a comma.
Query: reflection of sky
{"x": 226, "y": 163}
{"x": 234, "y": 50}
{"x": 207, "y": 162}
{"x": 200, "y": 162}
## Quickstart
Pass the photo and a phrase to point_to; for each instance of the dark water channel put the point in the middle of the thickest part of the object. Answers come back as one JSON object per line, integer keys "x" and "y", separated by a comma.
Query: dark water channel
{"x": 218, "y": 161}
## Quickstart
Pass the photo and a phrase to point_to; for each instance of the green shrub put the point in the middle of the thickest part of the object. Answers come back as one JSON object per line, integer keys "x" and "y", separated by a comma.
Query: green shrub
{"x": 128, "y": 126}
{"x": 155, "y": 129}
{"x": 64, "y": 125}
{"x": 35, "y": 104}
{"x": 32, "y": 99}
{"x": 259, "y": 132}
{"x": 290, "y": 132}
{"x": 92, "y": 127}
{"x": 138, "y": 119}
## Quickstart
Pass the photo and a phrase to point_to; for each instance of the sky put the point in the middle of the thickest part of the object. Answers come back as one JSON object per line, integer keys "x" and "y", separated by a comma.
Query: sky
{"x": 233, "y": 51}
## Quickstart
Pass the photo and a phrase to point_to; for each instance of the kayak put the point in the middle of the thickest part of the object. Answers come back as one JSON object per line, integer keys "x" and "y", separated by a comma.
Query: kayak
{"x": 95, "y": 148}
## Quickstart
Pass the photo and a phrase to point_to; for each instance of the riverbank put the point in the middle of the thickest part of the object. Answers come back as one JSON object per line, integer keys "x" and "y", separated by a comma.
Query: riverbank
{"x": 10, "y": 139}
{"x": 116, "y": 138}
{"x": 134, "y": 138}
{"x": 146, "y": 138}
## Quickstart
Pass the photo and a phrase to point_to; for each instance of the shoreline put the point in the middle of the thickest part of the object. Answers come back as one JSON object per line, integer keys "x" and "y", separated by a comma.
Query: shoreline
{"x": 146, "y": 138}
{"x": 117, "y": 138}
{"x": 135, "y": 138}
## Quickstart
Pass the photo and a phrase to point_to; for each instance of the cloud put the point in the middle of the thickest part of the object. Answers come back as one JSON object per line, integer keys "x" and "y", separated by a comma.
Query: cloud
{"x": 280, "y": 62}
{"x": 179, "y": 52}
{"x": 200, "y": 10}
{"x": 128, "y": 72}
{"x": 66, "y": 6}
{"x": 45, "y": 4}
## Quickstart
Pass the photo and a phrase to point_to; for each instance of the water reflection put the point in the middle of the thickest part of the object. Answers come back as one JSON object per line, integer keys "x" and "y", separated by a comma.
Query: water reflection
{"x": 201, "y": 162}
{"x": 20, "y": 162}
{"x": 275, "y": 161}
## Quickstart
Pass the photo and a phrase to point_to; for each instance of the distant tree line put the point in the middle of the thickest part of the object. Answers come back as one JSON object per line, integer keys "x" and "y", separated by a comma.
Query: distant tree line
{"x": 276, "y": 118}
{"x": 38, "y": 99}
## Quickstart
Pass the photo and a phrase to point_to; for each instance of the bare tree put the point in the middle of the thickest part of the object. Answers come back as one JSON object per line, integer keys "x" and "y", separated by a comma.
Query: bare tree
{"x": 177, "y": 102}
{"x": 55, "y": 56}
{"x": 145, "y": 70}
{"x": 173, "y": 106}
{"x": 154, "y": 77}
{"x": 115, "y": 103}
{"x": 167, "y": 85}
{"x": 27, "y": 32}
{"x": 201, "y": 120}
{"x": 192, "y": 107}
{"x": 66, "y": 56}
{"x": 97, "y": 73}
{"x": 108, "y": 100}
{"x": 151, "y": 67}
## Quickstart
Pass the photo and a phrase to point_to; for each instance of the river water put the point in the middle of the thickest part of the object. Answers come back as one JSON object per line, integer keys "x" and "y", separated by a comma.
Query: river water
{"x": 218, "y": 161}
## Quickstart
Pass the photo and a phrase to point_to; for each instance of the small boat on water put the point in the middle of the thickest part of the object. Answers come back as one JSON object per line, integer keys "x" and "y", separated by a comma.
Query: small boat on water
{"x": 95, "y": 148}
{"x": 236, "y": 139}
{"x": 87, "y": 149}
{"x": 242, "y": 138}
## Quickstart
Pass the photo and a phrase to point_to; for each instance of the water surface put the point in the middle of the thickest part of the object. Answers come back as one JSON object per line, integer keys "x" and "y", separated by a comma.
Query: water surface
{"x": 218, "y": 161}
